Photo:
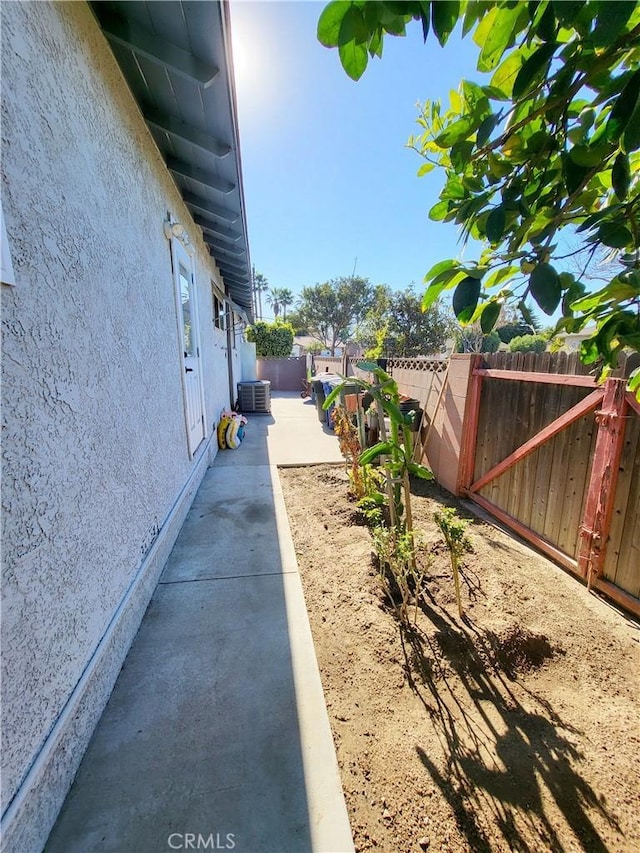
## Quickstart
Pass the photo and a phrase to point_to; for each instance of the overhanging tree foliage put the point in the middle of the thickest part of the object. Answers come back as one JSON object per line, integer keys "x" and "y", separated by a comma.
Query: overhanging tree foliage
{"x": 549, "y": 142}
{"x": 330, "y": 311}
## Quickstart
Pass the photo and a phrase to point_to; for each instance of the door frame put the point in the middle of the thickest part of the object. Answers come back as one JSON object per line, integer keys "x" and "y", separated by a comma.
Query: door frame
{"x": 180, "y": 254}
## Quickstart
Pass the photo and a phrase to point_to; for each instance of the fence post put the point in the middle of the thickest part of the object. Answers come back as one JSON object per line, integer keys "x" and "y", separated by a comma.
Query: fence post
{"x": 470, "y": 427}
{"x": 596, "y": 519}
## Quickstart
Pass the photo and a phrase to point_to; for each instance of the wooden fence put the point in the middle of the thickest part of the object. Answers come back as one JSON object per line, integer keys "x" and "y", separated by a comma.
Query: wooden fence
{"x": 557, "y": 458}
{"x": 537, "y": 443}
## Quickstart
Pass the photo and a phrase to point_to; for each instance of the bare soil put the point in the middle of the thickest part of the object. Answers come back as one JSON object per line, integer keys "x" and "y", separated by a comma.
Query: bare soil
{"x": 515, "y": 729}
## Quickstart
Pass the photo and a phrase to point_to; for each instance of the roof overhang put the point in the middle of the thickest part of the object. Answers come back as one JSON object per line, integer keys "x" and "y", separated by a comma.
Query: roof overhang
{"x": 176, "y": 59}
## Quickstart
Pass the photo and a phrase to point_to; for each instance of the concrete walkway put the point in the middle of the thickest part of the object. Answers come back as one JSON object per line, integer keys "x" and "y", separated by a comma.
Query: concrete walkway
{"x": 216, "y": 736}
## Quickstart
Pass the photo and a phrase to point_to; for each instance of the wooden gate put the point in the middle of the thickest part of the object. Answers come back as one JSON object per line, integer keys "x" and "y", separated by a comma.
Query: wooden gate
{"x": 557, "y": 458}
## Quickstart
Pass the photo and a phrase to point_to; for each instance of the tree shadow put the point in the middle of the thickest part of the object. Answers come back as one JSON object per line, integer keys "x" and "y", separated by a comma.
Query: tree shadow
{"x": 501, "y": 760}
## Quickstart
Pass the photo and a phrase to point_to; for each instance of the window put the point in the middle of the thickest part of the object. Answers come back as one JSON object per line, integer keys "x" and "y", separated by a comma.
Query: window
{"x": 219, "y": 315}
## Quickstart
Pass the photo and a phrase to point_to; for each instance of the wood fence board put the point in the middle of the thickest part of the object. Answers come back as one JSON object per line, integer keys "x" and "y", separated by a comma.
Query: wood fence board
{"x": 622, "y": 559}
{"x": 535, "y": 466}
{"x": 565, "y": 398}
{"x": 522, "y": 413}
{"x": 568, "y": 476}
{"x": 582, "y": 439}
{"x": 500, "y": 489}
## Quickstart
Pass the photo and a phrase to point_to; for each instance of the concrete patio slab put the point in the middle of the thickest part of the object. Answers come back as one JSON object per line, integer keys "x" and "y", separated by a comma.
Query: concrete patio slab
{"x": 217, "y": 727}
{"x": 291, "y": 435}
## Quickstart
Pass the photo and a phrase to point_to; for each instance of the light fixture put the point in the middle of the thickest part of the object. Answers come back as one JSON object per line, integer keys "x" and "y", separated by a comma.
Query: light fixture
{"x": 176, "y": 230}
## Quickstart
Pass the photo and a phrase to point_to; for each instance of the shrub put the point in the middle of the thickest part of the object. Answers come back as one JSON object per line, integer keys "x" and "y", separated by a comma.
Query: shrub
{"x": 528, "y": 343}
{"x": 513, "y": 330}
{"x": 271, "y": 339}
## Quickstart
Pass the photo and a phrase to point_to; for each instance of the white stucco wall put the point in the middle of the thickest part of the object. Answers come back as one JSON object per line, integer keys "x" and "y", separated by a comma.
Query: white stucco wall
{"x": 94, "y": 447}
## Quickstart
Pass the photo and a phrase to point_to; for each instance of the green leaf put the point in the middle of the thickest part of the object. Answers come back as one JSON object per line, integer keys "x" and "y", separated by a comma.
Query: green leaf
{"x": 444, "y": 15}
{"x": 631, "y": 137}
{"x": 465, "y": 298}
{"x": 441, "y": 282}
{"x": 474, "y": 11}
{"x": 487, "y": 126}
{"x": 624, "y": 107}
{"x": 353, "y": 27}
{"x": 460, "y": 155}
{"x": 611, "y": 20}
{"x": 489, "y": 316}
{"x": 533, "y": 69}
{"x": 546, "y": 27}
{"x": 419, "y": 471}
{"x": 441, "y": 266}
{"x": 375, "y": 44}
{"x": 505, "y": 75}
{"x": 425, "y": 18}
{"x": 457, "y": 131}
{"x": 476, "y": 99}
{"x": 499, "y": 276}
{"x": 425, "y": 169}
{"x": 568, "y": 10}
{"x": 368, "y": 366}
{"x": 544, "y": 284}
{"x": 615, "y": 291}
{"x": 495, "y": 30}
{"x": 382, "y": 448}
{"x": 439, "y": 211}
{"x": 495, "y": 224}
{"x": 330, "y": 22}
{"x": 574, "y": 175}
{"x": 354, "y": 59}
{"x": 475, "y": 272}
{"x": 615, "y": 234}
{"x": 621, "y": 176}
{"x": 588, "y": 155}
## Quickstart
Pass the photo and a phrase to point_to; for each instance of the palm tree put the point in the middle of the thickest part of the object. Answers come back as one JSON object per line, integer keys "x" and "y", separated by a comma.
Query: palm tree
{"x": 273, "y": 299}
{"x": 286, "y": 299}
{"x": 260, "y": 285}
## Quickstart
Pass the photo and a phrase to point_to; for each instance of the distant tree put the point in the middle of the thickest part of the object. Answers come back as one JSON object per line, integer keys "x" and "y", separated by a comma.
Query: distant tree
{"x": 330, "y": 311}
{"x": 271, "y": 339}
{"x": 286, "y": 299}
{"x": 260, "y": 286}
{"x": 528, "y": 343}
{"x": 273, "y": 299}
{"x": 472, "y": 339}
{"x": 298, "y": 322}
{"x": 395, "y": 324}
{"x": 511, "y": 323}
{"x": 412, "y": 331}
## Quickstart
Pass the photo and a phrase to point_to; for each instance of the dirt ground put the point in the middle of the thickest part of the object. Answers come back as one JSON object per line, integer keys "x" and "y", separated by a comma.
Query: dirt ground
{"x": 517, "y": 730}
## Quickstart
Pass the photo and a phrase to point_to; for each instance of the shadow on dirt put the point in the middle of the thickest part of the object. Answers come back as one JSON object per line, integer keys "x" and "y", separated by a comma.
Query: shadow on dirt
{"x": 499, "y": 756}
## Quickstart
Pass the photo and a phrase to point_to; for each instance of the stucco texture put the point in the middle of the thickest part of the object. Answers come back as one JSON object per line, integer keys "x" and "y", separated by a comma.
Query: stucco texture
{"x": 94, "y": 447}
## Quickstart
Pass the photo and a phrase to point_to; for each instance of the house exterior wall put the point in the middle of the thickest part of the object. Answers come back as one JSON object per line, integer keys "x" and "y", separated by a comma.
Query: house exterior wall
{"x": 96, "y": 471}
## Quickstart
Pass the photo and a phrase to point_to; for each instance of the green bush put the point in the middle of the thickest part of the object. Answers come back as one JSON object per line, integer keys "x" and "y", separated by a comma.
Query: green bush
{"x": 491, "y": 342}
{"x": 271, "y": 339}
{"x": 528, "y": 343}
{"x": 513, "y": 330}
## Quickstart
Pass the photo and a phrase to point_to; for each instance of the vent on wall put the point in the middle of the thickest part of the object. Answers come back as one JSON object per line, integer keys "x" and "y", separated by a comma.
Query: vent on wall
{"x": 255, "y": 396}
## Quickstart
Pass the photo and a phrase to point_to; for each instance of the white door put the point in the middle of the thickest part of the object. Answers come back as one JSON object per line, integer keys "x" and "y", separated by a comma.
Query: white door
{"x": 186, "y": 303}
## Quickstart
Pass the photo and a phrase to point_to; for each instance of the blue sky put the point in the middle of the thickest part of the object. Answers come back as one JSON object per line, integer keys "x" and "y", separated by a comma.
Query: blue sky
{"x": 327, "y": 176}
